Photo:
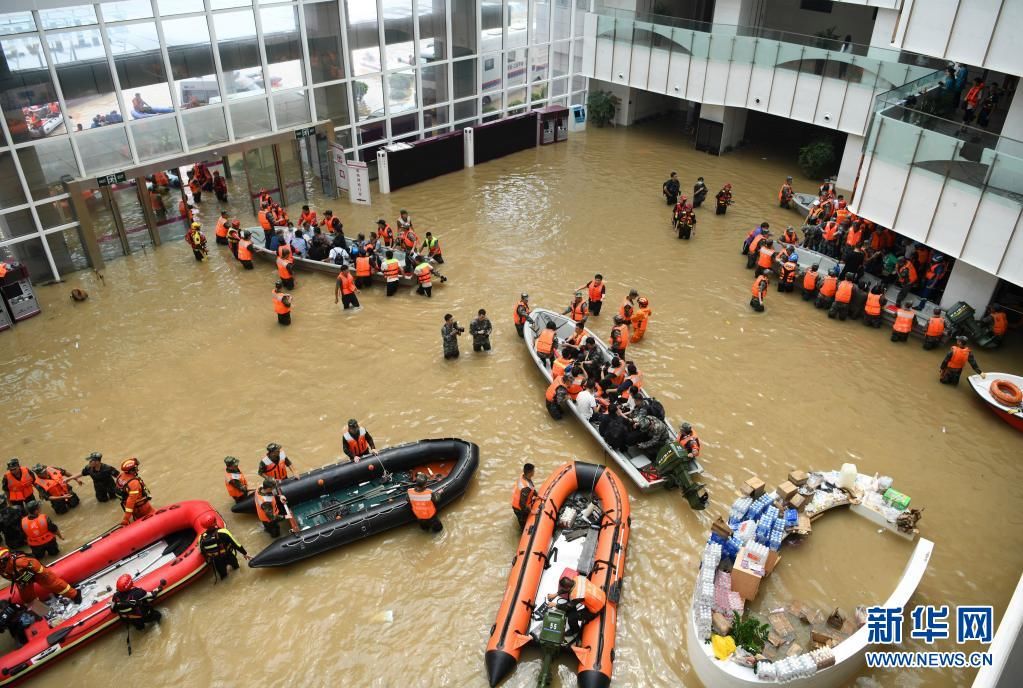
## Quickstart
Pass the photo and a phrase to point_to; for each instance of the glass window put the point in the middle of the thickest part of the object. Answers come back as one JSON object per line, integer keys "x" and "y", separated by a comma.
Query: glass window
{"x": 104, "y": 150}
{"x": 228, "y": 4}
{"x": 205, "y": 127}
{"x": 55, "y": 213}
{"x": 559, "y": 87}
{"x": 191, "y": 58}
{"x": 517, "y": 25}
{"x": 250, "y": 118}
{"x": 17, "y": 224}
{"x": 516, "y": 98}
{"x": 170, "y": 7}
{"x": 283, "y": 47}
{"x": 539, "y": 57}
{"x": 492, "y": 102}
{"x": 578, "y": 83}
{"x": 239, "y": 54}
{"x": 363, "y": 38}
{"x": 404, "y": 125}
{"x": 433, "y": 38}
{"x": 562, "y": 25}
{"x": 398, "y": 37}
{"x": 492, "y": 26}
{"x": 343, "y": 137}
{"x": 368, "y": 133}
{"x": 84, "y": 77}
{"x": 465, "y": 109}
{"x": 326, "y": 51}
{"x": 45, "y": 163}
{"x": 369, "y": 98}
{"x": 30, "y": 253}
{"x": 515, "y": 67}
{"x": 79, "y": 15}
{"x": 16, "y": 22}
{"x": 493, "y": 73}
{"x": 125, "y": 10}
{"x": 401, "y": 92}
{"x": 11, "y": 193}
{"x": 559, "y": 58}
{"x": 464, "y": 73}
{"x": 463, "y": 28}
{"x": 435, "y": 84}
{"x": 332, "y": 104}
{"x": 68, "y": 250}
{"x": 435, "y": 117}
{"x": 27, "y": 95}
{"x": 291, "y": 108}
{"x": 541, "y": 21}
{"x": 156, "y": 137}
{"x": 139, "y": 64}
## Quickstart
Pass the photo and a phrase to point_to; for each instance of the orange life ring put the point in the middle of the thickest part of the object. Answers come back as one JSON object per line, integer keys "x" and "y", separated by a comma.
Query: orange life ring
{"x": 1006, "y": 393}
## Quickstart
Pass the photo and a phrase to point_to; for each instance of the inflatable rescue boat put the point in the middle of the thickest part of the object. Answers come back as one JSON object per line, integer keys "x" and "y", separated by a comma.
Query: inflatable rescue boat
{"x": 159, "y": 550}
{"x": 579, "y": 528}
{"x": 347, "y": 501}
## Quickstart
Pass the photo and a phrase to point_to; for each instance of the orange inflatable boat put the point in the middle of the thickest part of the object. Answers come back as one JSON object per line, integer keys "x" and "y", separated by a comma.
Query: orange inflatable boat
{"x": 566, "y": 579}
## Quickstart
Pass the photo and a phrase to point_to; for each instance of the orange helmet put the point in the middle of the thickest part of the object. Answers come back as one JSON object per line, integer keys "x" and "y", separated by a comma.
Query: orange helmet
{"x": 130, "y": 465}
{"x": 124, "y": 583}
{"x": 643, "y": 301}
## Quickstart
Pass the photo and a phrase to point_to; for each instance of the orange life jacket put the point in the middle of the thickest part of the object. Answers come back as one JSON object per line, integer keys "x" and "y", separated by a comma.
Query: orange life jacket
{"x": 625, "y": 302}
{"x": 766, "y": 258}
{"x": 347, "y": 283}
{"x": 161, "y": 179}
{"x": 830, "y": 231}
{"x": 264, "y": 220}
{"x": 357, "y": 445}
{"x": 960, "y": 357}
{"x": 843, "y": 294}
{"x": 623, "y": 337}
{"x": 409, "y": 239}
{"x": 280, "y": 308}
{"x": 221, "y": 230}
{"x": 307, "y": 218}
{"x": 422, "y": 503}
{"x": 788, "y": 272}
{"x": 829, "y": 286}
{"x": 853, "y": 236}
{"x": 637, "y": 384}
{"x": 757, "y": 283}
{"x": 37, "y": 530}
{"x": 935, "y": 326}
{"x": 262, "y": 499}
{"x": 559, "y": 366}
{"x": 578, "y": 311}
{"x": 244, "y": 253}
{"x": 362, "y": 267}
{"x": 552, "y": 389}
{"x": 386, "y": 235}
{"x": 523, "y": 485}
{"x": 577, "y": 337}
{"x": 617, "y": 374}
{"x": 911, "y": 278}
{"x": 233, "y": 491}
{"x": 841, "y": 215}
{"x": 785, "y": 192}
{"x": 810, "y": 280}
{"x": 596, "y": 291}
{"x": 753, "y": 245}
{"x": 515, "y": 314}
{"x": 278, "y": 470}
{"x": 589, "y": 594}
{"x": 284, "y": 269}
{"x": 873, "y": 305}
{"x": 690, "y": 442}
{"x": 19, "y": 488}
{"x": 545, "y": 342}
{"x": 391, "y": 269}
{"x": 789, "y": 237}
{"x": 904, "y": 321}
{"x": 424, "y": 273}
{"x": 999, "y": 323}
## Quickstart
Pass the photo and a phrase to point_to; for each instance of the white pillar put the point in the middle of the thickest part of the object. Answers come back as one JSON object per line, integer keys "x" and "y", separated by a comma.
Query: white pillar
{"x": 850, "y": 162}
{"x": 969, "y": 284}
{"x": 383, "y": 172}
{"x": 733, "y": 123}
{"x": 884, "y": 26}
{"x": 468, "y": 146}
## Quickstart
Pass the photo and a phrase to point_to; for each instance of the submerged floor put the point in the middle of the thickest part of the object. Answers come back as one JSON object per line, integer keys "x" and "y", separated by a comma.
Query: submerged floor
{"x": 182, "y": 363}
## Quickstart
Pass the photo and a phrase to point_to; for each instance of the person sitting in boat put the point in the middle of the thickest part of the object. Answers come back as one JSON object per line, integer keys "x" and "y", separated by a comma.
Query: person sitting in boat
{"x": 586, "y": 401}
{"x": 547, "y": 344}
{"x": 23, "y": 571}
{"x": 580, "y": 599}
{"x": 356, "y": 441}
{"x": 954, "y": 362}
{"x": 423, "y": 502}
{"x": 650, "y": 436}
{"x": 17, "y": 619}
{"x": 218, "y": 546}
{"x": 133, "y": 605}
{"x": 275, "y": 464}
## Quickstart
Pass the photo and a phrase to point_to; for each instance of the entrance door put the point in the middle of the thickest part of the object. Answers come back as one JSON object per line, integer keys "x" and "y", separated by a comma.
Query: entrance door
{"x": 261, "y": 172}
{"x": 292, "y": 173}
{"x": 128, "y": 205}
{"x": 117, "y": 219}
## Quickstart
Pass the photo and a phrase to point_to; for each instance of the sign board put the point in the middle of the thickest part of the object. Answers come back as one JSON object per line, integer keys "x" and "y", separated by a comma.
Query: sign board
{"x": 304, "y": 132}
{"x": 337, "y": 155}
{"x": 110, "y": 179}
{"x": 358, "y": 182}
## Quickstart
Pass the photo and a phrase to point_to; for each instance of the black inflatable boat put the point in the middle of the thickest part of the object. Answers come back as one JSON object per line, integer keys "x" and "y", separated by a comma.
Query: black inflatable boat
{"x": 344, "y": 502}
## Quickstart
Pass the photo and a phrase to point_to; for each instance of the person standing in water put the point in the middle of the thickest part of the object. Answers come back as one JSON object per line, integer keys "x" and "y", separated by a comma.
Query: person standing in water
{"x": 449, "y": 333}
{"x": 424, "y": 505}
{"x": 671, "y": 189}
{"x": 480, "y": 329}
{"x": 699, "y": 192}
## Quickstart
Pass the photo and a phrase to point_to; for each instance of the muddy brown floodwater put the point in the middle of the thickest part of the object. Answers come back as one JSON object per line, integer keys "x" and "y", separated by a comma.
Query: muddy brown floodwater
{"x": 182, "y": 363}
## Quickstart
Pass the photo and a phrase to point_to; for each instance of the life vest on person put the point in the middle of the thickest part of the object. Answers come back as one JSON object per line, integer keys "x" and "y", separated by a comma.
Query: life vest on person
{"x": 999, "y": 323}
{"x": 523, "y": 486}
{"x": 904, "y": 321}
{"x": 19, "y": 487}
{"x": 347, "y": 283}
{"x": 935, "y": 271}
{"x": 363, "y": 267}
{"x": 221, "y": 230}
{"x": 843, "y": 294}
{"x": 231, "y": 476}
{"x": 960, "y": 357}
{"x": 37, "y": 530}
{"x": 386, "y": 235}
{"x": 574, "y": 386}
{"x": 161, "y": 179}
{"x": 552, "y": 389}
{"x": 284, "y": 269}
{"x": 853, "y": 236}
{"x": 545, "y": 342}
{"x": 591, "y": 596}
{"x": 910, "y": 271}
{"x": 55, "y": 487}
{"x": 785, "y": 193}
{"x": 690, "y": 442}
{"x": 409, "y": 239}
{"x": 789, "y": 237}
{"x": 131, "y": 490}
{"x": 424, "y": 273}
{"x": 307, "y": 218}
{"x": 244, "y": 252}
{"x": 264, "y": 217}
{"x": 280, "y": 307}
{"x": 519, "y": 319}
{"x": 765, "y": 259}
{"x": 759, "y": 288}
{"x": 754, "y": 243}
{"x": 211, "y": 544}
{"x": 278, "y": 470}
{"x": 873, "y": 305}
{"x": 595, "y": 291}
{"x": 935, "y": 326}
{"x": 841, "y": 215}
{"x": 622, "y": 342}
{"x": 559, "y": 366}
{"x": 433, "y": 247}
{"x": 577, "y": 338}
{"x": 270, "y": 499}
{"x": 830, "y": 231}
{"x": 640, "y": 318}
{"x": 19, "y": 569}
{"x": 357, "y": 445}
{"x": 973, "y": 95}
{"x": 788, "y": 272}
{"x": 391, "y": 269}
{"x": 617, "y": 375}
{"x": 626, "y": 302}
{"x": 578, "y": 311}
{"x": 636, "y": 386}
{"x": 128, "y": 607}
{"x": 810, "y": 280}
{"x": 829, "y": 286}
{"x": 422, "y": 503}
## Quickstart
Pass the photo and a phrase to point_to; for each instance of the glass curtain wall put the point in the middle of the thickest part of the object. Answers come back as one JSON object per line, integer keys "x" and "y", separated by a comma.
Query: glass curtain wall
{"x": 88, "y": 89}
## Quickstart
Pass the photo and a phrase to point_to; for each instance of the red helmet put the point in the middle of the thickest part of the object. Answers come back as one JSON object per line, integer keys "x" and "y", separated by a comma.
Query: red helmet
{"x": 130, "y": 465}
{"x": 209, "y": 521}
{"x": 124, "y": 583}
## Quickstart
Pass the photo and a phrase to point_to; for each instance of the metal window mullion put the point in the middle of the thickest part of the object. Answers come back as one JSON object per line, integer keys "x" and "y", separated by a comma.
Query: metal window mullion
{"x": 349, "y": 77}
{"x": 265, "y": 68}
{"x": 45, "y": 47}
{"x": 165, "y": 54}
{"x": 571, "y": 47}
{"x": 479, "y": 61}
{"x": 17, "y": 161}
{"x": 449, "y": 67}
{"x": 417, "y": 67}
{"x": 306, "y": 62}
{"x": 215, "y": 45}
{"x": 112, "y": 66}
{"x": 46, "y": 245}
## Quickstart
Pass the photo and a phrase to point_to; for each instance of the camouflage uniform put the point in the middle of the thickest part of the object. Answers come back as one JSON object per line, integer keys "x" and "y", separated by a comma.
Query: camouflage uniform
{"x": 657, "y": 432}
{"x": 449, "y": 336}
{"x": 480, "y": 329}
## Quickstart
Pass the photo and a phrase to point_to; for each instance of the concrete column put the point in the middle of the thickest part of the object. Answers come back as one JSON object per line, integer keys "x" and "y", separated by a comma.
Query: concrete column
{"x": 884, "y": 27}
{"x": 969, "y": 284}
{"x": 733, "y": 123}
{"x": 850, "y": 162}
{"x": 733, "y": 12}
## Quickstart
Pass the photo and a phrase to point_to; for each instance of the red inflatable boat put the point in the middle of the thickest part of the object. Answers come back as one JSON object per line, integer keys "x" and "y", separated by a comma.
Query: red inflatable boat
{"x": 158, "y": 550}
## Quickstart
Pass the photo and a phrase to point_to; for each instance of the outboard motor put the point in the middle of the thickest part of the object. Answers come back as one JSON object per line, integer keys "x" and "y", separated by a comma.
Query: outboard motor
{"x": 673, "y": 464}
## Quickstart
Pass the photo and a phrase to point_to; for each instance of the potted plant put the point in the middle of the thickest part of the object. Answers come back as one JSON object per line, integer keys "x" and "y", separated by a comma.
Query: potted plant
{"x": 749, "y": 633}
{"x": 817, "y": 158}
{"x": 602, "y": 106}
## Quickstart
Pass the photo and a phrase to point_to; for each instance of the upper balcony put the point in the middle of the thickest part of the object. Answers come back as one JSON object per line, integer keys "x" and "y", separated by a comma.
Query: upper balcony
{"x": 957, "y": 189}
{"x": 807, "y": 78}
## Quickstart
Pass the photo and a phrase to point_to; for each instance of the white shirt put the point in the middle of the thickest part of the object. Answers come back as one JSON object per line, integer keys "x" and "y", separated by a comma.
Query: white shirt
{"x": 334, "y": 252}
{"x": 585, "y": 402}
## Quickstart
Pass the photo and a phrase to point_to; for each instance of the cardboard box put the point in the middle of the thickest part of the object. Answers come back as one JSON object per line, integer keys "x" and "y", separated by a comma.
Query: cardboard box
{"x": 781, "y": 626}
{"x": 804, "y": 527}
{"x": 797, "y": 501}
{"x": 797, "y": 478}
{"x": 794, "y": 649}
{"x": 721, "y": 528}
{"x": 721, "y": 624}
{"x": 823, "y": 637}
{"x": 786, "y": 490}
{"x": 772, "y": 560}
{"x": 745, "y": 582}
{"x": 755, "y": 486}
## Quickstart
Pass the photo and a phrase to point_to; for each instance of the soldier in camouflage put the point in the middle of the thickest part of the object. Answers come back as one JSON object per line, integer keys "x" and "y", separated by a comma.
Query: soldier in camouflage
{"x": 449, "y": 333}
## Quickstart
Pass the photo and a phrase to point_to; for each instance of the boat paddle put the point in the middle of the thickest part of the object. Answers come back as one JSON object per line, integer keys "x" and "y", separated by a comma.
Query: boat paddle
{"x": 287, "y": 509}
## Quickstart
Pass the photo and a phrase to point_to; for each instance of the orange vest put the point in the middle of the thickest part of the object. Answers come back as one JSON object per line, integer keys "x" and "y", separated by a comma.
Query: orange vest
{"x": 347, "y": 283}
{"x": 853, "y": 237}
{"x": 409, "y": 239}
{"x": 515, "y": 314}
{"x": 280, "y": 308}
{"x": 20, "y": 488}
{"x": 558, "y": 367}
{"x": 307, "y": 218}
{"x": 278, "y": 470}
{"x": 523, "y": 485}
{"x": 545, "y": 342}
{"x": 362, "y": 266}
{"x": 844, "y": 292}
{"x": 37, "y": 530}
{"x": 829, "y": 286}
{"x": 424, "y": 273}
{"x": 264, "y": 221}
{"x": 788, "y": 272}
{"x": 596, "y": 291}
{"x": 243, "y": 250}
{"x": 637, "y": 384}
{"x": 841, "y": 215}
{"x": 810, "y": 280}
{"x": 240, "y": 477}
{"x": 553, "y": 388}
{"x": 904, "y": 321}
{"x": 422, "y": 503}
{"x": 960, "y": 357}
{"x": 221, "y": 230}
{"x": 999, "y": 323}
{"x": 577, "y": 311}
{"x": 830, "y": 231}
{"x": 357, "y": 445}
{"x": 785, "y": 192}
{"x": 912, "y": 273}
{"x": 623, "y": 337}
{"x": 755, "y": 243}
{"x": 789, "y": 237}
{"x": 617, "y": 374}
{"x": 766, "y": 258}
{"x": 935, "y": 326}
{"x": 262, "y": 499}
{"x": 391, "y": 269}
{"x": 386, "y": 235}
{"x": 755, "y": 289}
{"x": 873, "y": 305}
{"x": 284, "y": 268}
